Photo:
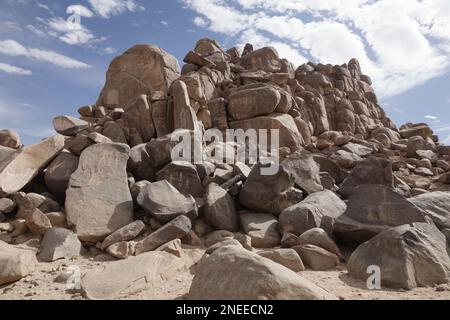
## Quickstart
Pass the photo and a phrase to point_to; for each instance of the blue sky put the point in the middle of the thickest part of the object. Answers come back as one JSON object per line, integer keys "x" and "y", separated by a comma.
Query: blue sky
{"x": 48, "y": 69}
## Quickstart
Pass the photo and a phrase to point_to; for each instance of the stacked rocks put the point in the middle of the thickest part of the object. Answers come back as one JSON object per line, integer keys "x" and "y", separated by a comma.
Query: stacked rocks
{"x": 346, "y": 174}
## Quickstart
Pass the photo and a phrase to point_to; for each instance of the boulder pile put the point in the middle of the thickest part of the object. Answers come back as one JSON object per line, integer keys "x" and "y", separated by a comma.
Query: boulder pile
{"x": 347, "y": 178}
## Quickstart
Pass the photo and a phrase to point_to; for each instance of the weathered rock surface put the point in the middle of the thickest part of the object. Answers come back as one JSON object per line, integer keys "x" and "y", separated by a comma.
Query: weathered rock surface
{"x": 311, "y": 212}
{"x": 286, "y": 257}
{"x": 183, "y": 176}
{"x": 15, "y": 262}
{"x": 372, "y": 209}
{"x": 319, "y": 238}
{"x": 317, "y": 258}
{"x": 370, "y": 171}
{"x": 220, "y": 211}
{"x": 68, "y": 126}
{"x": 436, "y": 205}
{"x": 162, "y": 201}
{"x": 276, "y": 190}
{"x": 58, "y": 173}
{"x": 59, "y": 243}
{"x": 262, "y": 228}
{"x": 175, "y": 229}
{"x": 98, "y": 199}
{"x": 143, "y": 69}
{"x": 28, "y": 163}
{"x": 305, "y": 170}
{"x": 131, "y": 276}
{"x": 235, "y": 273}
{"x": 129, "y": 232}
{"x": 250, "y": 103}
{"x": 408, "y": 256}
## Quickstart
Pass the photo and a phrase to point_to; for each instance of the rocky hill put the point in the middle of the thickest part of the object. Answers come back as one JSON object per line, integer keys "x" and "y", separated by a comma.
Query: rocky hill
{"x": 350, "y": 190}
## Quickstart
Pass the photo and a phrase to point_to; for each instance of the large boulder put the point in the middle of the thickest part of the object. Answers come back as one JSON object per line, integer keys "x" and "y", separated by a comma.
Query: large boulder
{"x": 371, "y": 171}
{"x": 312, "y": 212}
{"x": 98, "y": 199}
{"x": 28, "y": 163}
{"x": 162, "y": 201}
{"x": 305, "y": 170}
{"x": 289, "y": 135}
{"x": 58, "y": 173}
{"x": 15, "y": 262}
{"x": 436, "y": 205}
{"x": 265, "y": 59}
{"x": 408, "y": 256}
{"x": 372, "y": 209}
{"x": 262, "y": 228}
{"x": 143, "y": 69}
{"x": 59, "y": 243}
{"x": 233, "y": 273}
{"x": 183, "y": 176}
{"x": 9, "y": 139}
{"x": 276, "y": 190}
{"x": 131, "y": 276}
{"x": 219, "y": 211}
{"x": 249, "y": 103}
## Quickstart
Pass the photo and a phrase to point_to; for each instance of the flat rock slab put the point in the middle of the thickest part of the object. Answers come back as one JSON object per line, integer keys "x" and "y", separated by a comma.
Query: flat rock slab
{"x": 28, "y": 163}
{"x": 130, "y": 276}
{"x": 175, "y": 229}
{"x": 98, "y": 199}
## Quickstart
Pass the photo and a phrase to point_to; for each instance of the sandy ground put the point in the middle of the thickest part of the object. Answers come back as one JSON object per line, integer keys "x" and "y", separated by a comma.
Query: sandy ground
{"x": 41, "y": 285}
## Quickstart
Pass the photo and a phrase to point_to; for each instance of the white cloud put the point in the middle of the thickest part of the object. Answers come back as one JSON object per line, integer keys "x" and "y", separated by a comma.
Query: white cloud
{"x": 108, "y": 8}
{"x": 199, "y": 21}
{"x": 164, "y": 23}
{"x": 80, "y": 10}
{"x": 108, "y": 50}
{"x": 15, "y": 49}
{"x": 70, "y": 33}
{"x": 399, "y": 43}
{"x": 10, "y": 69}
{"x": 432, "y": 118}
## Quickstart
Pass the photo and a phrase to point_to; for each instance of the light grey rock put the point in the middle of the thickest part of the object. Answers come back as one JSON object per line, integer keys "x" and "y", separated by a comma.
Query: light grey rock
{"x": 219, "y": 211}
{"x": 235, "y": 273}
{"x": 409, "y": 256}
{"x": 175, "y": 229}
{"x": 310, "y": 212}
{"x": 98, "y": 199}
{"x": 129, "y": 232}
{"x": 59, "y": 243}
{"x": 262, "y": 228}
{"x": 162, "y": 201}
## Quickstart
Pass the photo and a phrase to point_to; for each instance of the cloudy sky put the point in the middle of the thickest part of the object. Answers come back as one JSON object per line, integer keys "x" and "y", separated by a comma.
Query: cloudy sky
{"x": 48, "y": 68}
